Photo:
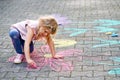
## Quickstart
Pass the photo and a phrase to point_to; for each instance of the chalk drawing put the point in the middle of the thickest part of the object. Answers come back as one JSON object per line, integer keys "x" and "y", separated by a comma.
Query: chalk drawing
{"x": 105, "y": 29}
{"x": 107, "y": 22}
{"x": 101, "y": 22}
{"x": 114, "y": 71}
{"x": 73, "y": 31}
{"x": 98, "y": 62}
{"x": 117, "y": 59}
{"x": 64, "y": 42}
{"x": 61, "y": 20}
{"x": 102, "y": 25}
{"x": 106, "y": 42}
{"x": 43, "y": 58}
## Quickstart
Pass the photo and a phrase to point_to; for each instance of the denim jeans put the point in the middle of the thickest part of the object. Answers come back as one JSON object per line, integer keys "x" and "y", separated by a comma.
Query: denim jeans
{"x": 18, "y": 42}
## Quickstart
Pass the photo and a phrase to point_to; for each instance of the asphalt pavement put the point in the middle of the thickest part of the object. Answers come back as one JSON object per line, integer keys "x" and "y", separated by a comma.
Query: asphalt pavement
{"x": 88, "y": 37}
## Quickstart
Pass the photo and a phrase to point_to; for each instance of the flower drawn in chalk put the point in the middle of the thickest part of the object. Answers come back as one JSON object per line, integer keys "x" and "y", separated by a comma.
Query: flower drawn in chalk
{"x": 43, "y": 58}
{"x": 117, "y": 69}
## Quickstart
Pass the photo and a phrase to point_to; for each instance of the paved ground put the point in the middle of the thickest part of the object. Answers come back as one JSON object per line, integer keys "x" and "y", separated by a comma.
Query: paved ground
{"x": 88, "y": 22}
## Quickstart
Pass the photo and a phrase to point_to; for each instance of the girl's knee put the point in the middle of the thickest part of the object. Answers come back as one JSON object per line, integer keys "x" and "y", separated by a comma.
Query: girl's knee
{"x": 14, "y": 33}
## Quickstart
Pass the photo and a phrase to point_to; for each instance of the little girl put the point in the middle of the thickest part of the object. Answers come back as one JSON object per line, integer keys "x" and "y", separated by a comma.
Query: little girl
{"x": 23, "y": 33}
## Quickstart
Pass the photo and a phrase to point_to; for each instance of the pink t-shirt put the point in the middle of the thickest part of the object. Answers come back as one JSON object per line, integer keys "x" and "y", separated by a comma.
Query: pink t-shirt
{"x": 22, "y": 28}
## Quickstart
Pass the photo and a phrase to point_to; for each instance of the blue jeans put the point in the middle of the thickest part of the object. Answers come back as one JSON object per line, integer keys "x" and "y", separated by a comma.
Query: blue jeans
{"x": 18, "y": 42}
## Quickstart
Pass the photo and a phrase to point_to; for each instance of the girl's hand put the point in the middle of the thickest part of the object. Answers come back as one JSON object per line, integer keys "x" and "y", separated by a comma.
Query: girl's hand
{"x": 31, "y": 64}
{"x": 58, "y": 57}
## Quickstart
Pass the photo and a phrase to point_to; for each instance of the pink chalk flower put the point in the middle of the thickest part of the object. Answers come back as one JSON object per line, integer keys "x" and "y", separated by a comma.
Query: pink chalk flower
{"x": 43, "y": 58}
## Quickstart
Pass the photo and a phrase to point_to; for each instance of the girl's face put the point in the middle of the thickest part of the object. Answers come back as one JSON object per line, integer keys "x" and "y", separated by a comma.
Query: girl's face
{"x": 44, "y": 32}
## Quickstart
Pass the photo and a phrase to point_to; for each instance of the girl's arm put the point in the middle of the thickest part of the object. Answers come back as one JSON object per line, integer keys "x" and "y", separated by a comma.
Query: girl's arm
{"x": 28, "y": 40}
{"x": 52, "y": 48}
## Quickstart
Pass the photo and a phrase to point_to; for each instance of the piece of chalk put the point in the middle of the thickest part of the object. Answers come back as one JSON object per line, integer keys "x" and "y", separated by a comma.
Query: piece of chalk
{"x": 114, "y": 35}
{"x": 32, "y": 66}
{"x": 109, "y": 33}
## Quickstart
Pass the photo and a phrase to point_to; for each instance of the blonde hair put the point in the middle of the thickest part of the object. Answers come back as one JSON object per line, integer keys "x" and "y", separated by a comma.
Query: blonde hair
{"x": 50, "y": 23}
